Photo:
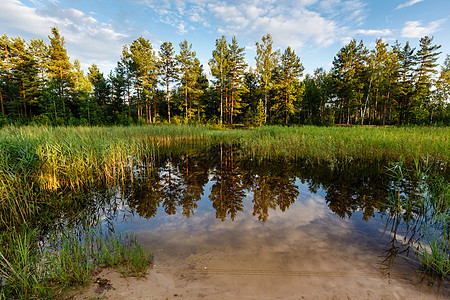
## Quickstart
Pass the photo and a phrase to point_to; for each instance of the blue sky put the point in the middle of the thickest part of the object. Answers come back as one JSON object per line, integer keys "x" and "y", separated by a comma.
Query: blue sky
{"x": 95, "y": 31}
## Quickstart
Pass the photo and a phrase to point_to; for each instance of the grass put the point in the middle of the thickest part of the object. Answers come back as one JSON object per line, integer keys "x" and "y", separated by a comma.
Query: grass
{"x": 34, "y": 268}
{"x": 345, "y": 144}
{"x": 421, "y": 200}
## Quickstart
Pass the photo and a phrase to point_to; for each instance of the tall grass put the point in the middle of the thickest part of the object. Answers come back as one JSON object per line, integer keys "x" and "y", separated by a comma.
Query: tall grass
{"x": 344, "y": 144}
{"x": 421, "y": 200}
{"x": 35, "y": 268}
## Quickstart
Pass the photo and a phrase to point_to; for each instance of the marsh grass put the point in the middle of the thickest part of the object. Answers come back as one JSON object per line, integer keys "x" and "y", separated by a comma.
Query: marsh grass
{"x": 345, "y": 144}
{"x": 421, "y": 200}
{"x": 36, "y": 268}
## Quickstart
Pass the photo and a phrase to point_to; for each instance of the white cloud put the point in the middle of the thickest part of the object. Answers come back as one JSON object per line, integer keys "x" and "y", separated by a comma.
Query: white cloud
{"x": 86, "y": 38}
{"x": 181, "y": 29}
{"x": 372, "y": 32}
{"x": 316, "y": 23}
{"x": 408, "y": 3}
{"x": 415, "y": 29}
{"x": 15, "y": 14}
{"x": 288, "y": 25}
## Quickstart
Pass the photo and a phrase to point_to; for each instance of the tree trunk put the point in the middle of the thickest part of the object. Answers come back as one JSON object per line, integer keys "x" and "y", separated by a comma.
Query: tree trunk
{"x": 286, "y": 108}
{"x": 1, "y": 102}
{"x": 168, "y": 97}
{"x": 221, "y": 105}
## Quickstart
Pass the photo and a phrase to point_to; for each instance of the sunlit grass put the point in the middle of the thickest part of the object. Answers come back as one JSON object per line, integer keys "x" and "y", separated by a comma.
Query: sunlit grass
{"x": 344, "y": 144}
{"x": 35, "y": 268}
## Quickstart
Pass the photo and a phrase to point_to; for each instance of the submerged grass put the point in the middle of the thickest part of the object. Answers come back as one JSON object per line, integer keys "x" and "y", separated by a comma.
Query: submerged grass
{"x": 425, "y": 207}
{"x": 35, "y": 268}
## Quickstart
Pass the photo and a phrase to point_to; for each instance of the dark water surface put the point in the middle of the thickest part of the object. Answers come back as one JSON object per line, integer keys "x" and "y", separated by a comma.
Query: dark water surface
{"x": 272, "y": 228}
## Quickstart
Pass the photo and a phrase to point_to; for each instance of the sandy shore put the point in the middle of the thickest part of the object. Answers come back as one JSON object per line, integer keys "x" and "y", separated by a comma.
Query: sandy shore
{"x": 304, "y": 253}
{"x": 203, "y": 276}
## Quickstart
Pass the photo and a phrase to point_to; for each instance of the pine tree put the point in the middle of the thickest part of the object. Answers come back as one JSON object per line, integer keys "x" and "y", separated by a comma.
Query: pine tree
{"x": 118, "y": 80}
{"x": 349, "y": 72}
{"x": 5, "y": 73}
{"x": 143, "y": 62}
{"x": 236, "y": 66}
{"x": 426, "y": 57}
{"x": 100, "y": 85}
{"x": 81, "y": 95}
{"x": 199, "y": 89}
{"x": 441, "y": 94}
{"x": 287, "y": 76}
{"x": 60, "y": 68}
{"x": 168, "y": 69}
{"x": 219, "y": 69}
{"x": 186, "y": 60}
{"x": 266, "y": 62}
{"x": 377, "y": 69}
{"x": 407, "y": 61}
{"x": 259, "y": 114}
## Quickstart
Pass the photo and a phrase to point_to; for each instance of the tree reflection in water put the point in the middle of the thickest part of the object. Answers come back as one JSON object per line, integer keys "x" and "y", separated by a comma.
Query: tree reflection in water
{"x": 177, "y": 180}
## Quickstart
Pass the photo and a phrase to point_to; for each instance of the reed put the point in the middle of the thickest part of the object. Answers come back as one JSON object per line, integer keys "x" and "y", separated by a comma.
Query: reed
{"x": 345, "y": 144}
{"x": 36, "y": 268}
{"x": 423, "y": 205}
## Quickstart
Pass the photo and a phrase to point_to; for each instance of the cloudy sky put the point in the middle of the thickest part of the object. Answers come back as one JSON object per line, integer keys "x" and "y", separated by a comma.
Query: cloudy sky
{"x": 96, "y": 30}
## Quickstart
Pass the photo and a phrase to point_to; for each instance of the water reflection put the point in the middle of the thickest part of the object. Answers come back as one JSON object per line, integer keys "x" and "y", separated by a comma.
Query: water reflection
{"x": 295, "y": 214}
{"x": 177, "y": 181}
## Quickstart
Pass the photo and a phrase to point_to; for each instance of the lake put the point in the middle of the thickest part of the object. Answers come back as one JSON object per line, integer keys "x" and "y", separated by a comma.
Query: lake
{"x": 225, "y": 225}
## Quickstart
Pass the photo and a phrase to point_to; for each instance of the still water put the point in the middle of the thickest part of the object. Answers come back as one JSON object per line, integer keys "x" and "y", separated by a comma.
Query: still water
{"x": 220, "y": 223}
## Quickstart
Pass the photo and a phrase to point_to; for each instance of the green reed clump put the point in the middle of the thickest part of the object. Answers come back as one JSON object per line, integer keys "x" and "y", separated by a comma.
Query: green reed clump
{"x": 34, "y": 268}
{"x": 344, "y": 144}
{"x": 124, "y": 253}
{"x": 421, "y": 200}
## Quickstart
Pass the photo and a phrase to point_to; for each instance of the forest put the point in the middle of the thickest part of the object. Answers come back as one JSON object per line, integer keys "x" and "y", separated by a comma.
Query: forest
{"x": 387, "y": 85}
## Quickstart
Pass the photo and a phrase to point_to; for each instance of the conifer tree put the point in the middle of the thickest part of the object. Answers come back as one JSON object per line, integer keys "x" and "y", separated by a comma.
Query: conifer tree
{"x": 287, "y": 76}
{"x": 219, "y": 69}
{"x": 426, "y": 57}
{"x": 143, "y": 63}
{"x": 349, "y": 73}
{"x": 407, "y": 62}
{"x": 168, "y": 69}
{"x": 100, "y": 85}
{"x": 59, "y": 68}
{"x": 441, "y": 94}
{"x": 186, "y": 60}
{"x": 266, "y": 61}
{"x": 236, "y": 66}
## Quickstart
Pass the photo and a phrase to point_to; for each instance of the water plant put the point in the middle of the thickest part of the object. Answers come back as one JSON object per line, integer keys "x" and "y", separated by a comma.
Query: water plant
{"x": 421, "y": 199}
{"x": 35, "y": 267}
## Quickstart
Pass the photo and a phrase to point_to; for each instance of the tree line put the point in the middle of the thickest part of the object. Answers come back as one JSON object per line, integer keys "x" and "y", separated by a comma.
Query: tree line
{"x": 389, "y": 84}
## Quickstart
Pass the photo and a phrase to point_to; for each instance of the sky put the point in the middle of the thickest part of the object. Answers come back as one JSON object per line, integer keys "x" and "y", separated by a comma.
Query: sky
{"x": 96, "y": 30}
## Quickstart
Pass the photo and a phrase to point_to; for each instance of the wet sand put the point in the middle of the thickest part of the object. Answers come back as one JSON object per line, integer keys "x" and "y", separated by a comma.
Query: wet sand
{"x": 262, "y": 274}
{"x": 305, "y": 253}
